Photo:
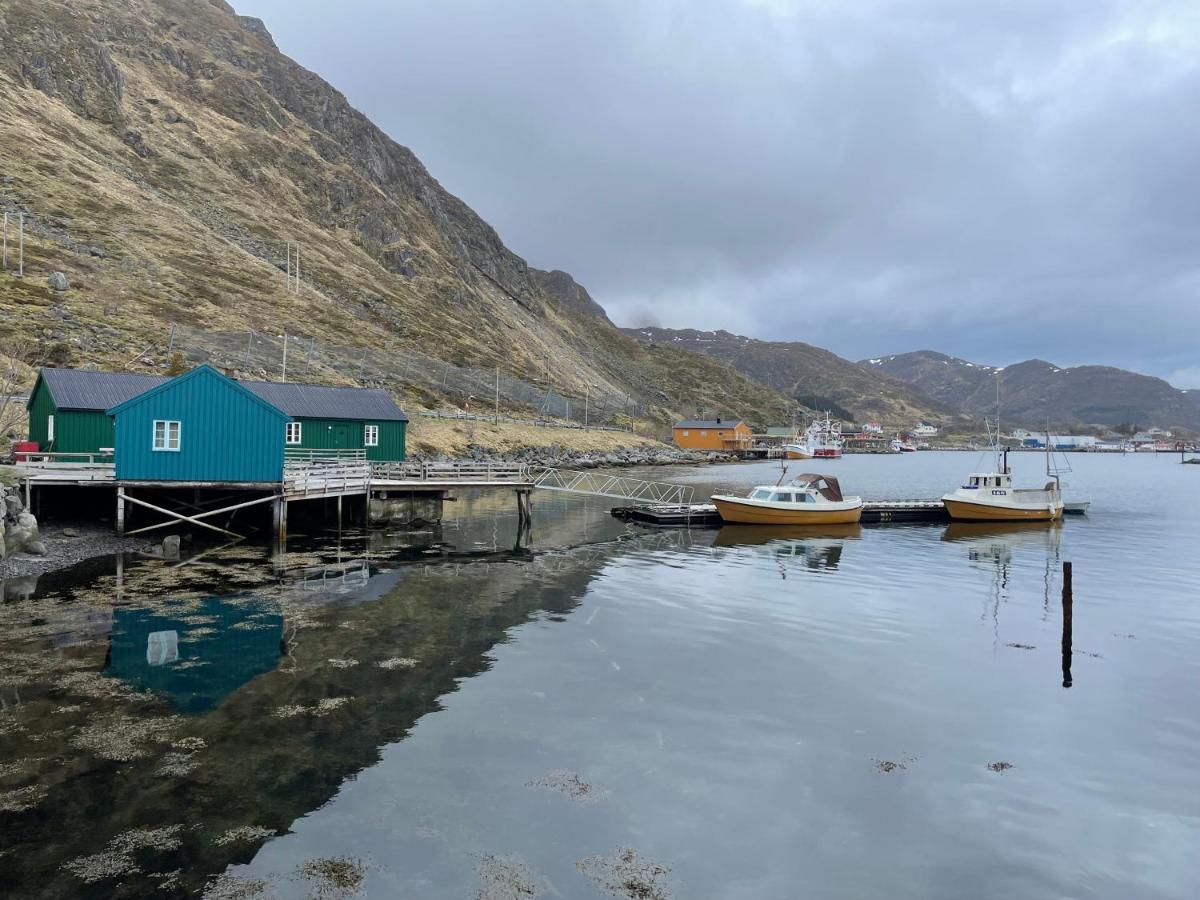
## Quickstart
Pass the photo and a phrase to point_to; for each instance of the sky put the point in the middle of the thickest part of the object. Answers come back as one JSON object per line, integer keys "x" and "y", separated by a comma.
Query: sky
{"x": 995, "y": 179}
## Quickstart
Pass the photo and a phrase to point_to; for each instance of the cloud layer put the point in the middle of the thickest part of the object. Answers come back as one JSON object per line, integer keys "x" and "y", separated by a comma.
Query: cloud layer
{"x": 998, "y": 180}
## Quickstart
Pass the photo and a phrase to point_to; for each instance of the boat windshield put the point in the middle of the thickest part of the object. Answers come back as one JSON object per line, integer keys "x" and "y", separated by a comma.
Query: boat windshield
{"x": 761, "y": 494}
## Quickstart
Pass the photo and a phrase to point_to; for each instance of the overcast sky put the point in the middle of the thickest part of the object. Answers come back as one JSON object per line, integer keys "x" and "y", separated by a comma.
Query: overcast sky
{"x": 996, "y": 179}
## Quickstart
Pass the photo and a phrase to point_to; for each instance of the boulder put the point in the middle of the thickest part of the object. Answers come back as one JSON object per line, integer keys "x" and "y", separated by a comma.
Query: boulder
{"x": 16, "y": 538}
{"x": 58, "y": 281}
{"x": 170, "y": 546}
{"x": 13, "y": 506}
{"x": 27, "y": 521}
{"x": 35, "y": 548}
{"x": 70, "y": 532}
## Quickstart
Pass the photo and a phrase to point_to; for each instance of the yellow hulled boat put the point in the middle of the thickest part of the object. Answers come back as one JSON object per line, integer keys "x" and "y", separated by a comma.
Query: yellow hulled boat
{"x": 806, "y": 500}
{"x": 991, "y": 497}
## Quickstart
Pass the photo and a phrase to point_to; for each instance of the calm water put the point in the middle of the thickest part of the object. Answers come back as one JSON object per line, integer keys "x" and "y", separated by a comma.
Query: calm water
{"x": 452, "y": 715}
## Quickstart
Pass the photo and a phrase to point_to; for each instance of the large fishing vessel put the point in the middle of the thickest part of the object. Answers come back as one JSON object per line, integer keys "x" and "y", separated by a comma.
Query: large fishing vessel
{"x": 820, "y": 442}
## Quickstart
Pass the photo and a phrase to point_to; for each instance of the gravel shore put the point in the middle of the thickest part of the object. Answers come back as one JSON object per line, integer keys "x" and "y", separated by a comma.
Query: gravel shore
{"x": 68, "y": 545}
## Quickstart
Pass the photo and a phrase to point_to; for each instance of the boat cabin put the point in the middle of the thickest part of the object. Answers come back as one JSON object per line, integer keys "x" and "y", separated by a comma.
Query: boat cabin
{"x": 990, "y": 480}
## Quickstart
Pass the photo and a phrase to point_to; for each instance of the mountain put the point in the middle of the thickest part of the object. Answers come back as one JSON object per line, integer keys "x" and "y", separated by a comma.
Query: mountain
{"x": 1035, "y": 391}
{"x": 164, "y": 153}
{"x": 816, "y": 378}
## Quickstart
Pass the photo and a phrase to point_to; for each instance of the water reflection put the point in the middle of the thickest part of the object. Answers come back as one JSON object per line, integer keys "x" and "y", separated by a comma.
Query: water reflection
{"x": 195, "y": 654}
{"x": 816, "y": 547}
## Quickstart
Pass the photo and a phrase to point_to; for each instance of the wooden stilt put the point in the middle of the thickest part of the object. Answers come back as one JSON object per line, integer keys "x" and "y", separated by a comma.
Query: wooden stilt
{"x": 120, "y": 512}
{"x": 1068, "y": 602}
{"x": 339, "y": 512}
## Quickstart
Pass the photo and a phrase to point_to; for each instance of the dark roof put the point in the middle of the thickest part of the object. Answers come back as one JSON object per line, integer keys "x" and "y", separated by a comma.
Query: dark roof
{"x": 319, "y": 401}
{"x": 88, "y": 389}
{"x": 715, "y": 423}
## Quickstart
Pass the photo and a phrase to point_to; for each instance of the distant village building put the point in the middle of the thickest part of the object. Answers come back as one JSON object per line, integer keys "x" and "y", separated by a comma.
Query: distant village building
{"x": 873, "y": 428}
{"x": 712, "y": 434}
{"x": 925, "y": 431}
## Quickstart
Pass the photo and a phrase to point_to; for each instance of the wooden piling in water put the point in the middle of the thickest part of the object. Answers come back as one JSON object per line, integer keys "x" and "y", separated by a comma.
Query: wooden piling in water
{"x": 1067, "y": 624}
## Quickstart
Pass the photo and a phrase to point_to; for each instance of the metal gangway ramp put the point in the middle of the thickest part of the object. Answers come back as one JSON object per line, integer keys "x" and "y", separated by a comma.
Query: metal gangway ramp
{"x": 605, "y": 484}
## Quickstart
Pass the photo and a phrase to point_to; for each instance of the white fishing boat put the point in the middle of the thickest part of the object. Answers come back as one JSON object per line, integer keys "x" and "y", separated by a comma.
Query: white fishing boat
{"x": 806, "y": 500}
{"x": 990, "y": 496}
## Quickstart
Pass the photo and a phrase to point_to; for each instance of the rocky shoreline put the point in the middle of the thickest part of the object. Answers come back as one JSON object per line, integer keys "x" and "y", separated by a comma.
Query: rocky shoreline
{"x": 555, "y": 456}
{"x": 28, "y": 549}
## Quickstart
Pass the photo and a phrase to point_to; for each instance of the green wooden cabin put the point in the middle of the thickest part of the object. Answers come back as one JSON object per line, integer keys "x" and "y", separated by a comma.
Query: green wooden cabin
{"x": 68, "y": 408}
{"x": 321, "y": 417}
{"x": 69, "y": 412}
{"x": 199, "y": 427}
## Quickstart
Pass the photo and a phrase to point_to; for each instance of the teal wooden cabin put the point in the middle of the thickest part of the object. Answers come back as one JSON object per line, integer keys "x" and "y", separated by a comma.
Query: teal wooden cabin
{"x": 201, "y": 427}
{"x": 72, "y": 411}
{"x": 68, "y": 408}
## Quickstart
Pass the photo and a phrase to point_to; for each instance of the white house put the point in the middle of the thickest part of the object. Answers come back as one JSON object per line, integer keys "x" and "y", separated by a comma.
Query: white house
{"x": 924, "y": 430}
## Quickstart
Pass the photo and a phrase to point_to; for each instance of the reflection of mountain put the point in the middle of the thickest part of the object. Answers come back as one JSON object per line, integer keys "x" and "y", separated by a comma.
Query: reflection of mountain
{"x": 818, "y": 547}
{"x": 197, "y": 655}
{"x": 361, "y": 669}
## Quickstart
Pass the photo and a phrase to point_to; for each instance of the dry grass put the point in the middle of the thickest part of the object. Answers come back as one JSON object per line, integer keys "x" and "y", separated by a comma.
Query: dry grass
{"x": 454, "y": 437}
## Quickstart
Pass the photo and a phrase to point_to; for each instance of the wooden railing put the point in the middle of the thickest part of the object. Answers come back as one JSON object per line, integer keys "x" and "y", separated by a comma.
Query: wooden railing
{"x": 316, "y": 476}
{"x": 449, "y": 471}
{"x": 304, "y": 454}
{"x": 65, "y": 460}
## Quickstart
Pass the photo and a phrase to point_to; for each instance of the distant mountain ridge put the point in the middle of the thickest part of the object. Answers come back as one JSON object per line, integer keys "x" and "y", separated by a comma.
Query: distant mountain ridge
{"x": 1035, "y": 392}
{"x": 815, "y": 378}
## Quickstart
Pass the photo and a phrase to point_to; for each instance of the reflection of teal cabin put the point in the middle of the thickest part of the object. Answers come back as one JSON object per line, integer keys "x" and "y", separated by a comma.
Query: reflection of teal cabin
{"x": 200, "y": 427}
{"x": 70, "y": 411}
{"x": 68, "y": 408}
{"x": 195, "y": 656}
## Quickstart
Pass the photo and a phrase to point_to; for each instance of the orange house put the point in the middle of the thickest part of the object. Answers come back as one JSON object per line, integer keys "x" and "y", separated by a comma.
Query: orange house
{"x": 712, "y": 434}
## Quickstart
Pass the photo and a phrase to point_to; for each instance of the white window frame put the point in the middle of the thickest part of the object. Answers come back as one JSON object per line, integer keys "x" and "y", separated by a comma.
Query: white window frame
{"x": 297, "y": 438}
{"x": 50, "y": 429}
{"x": 166, "y": 436}
{"x": 370, "y": 435}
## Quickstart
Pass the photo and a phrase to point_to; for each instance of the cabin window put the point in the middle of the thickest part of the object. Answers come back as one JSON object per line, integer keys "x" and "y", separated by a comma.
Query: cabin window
{"x": 50, "y": 429}
{"x": 781, "y": 497}
{"x": 371, "y": 435}
{"x": 166, "y": 435}
{"x": 761, "y": 494}
{"x": 292, "y": 433}
{"x": 703, "y": 434}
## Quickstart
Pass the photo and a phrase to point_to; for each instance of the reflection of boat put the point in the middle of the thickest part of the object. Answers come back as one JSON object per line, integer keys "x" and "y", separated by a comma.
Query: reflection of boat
{"x": 806, "y": 500}
{"x": 1006, "y": 532}
{"x": 755, "y": 535}
{"x": 818, "y": 547}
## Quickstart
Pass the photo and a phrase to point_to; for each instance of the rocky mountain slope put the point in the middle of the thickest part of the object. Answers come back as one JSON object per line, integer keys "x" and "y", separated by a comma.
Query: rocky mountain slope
{"x": 164, "y": 152}
{"x": 1035, "y": 391}
{"x": 816, "y": 378}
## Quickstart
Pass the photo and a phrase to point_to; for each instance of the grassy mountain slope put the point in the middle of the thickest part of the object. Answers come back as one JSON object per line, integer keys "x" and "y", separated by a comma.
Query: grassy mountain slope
{"x": 1035, "y": 391}
{"x": 816, "y": 378}
{"x": 163, "y": 152}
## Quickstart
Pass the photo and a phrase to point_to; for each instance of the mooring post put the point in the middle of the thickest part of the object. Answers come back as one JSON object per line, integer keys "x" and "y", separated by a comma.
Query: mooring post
{"x": 120, "y": 512}
{"x": 1067, "y": 603}
{"x": 339, "y": 513}
{"x": 279, "y": 518}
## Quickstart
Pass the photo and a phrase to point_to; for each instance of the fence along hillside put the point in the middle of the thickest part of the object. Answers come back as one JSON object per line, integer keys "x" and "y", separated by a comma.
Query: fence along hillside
{"x": 469, "y": 392}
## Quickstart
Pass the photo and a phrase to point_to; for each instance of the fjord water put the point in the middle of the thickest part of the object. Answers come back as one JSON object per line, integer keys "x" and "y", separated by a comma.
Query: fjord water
{"x": 766, "y": 715}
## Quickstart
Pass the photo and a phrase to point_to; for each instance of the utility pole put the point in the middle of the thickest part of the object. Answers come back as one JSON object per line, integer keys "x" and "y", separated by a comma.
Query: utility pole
{"x": 587, "y": 393}
{"x": 6, "y": 242}
{"x": 21, "y": 246}
{"x": 288, "y": 271}
{"x": 297, "y": 284}
{"x": 312, "y": 343}
{"x": 285, "y": 343}
{"x": 249, "y": 345}
{"x": 171, "y": 341}
{"x": 497, "y": 393}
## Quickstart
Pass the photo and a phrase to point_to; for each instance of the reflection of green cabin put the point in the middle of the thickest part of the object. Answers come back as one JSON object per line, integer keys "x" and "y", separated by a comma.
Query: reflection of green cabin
{"x": 71, "y": 411}
{"x": 196, "y": 655}
{"x": 68, "y": 408}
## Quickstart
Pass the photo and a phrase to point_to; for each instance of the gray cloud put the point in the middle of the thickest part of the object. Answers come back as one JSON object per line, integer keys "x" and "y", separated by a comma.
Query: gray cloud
{"x": 997, "y": 179}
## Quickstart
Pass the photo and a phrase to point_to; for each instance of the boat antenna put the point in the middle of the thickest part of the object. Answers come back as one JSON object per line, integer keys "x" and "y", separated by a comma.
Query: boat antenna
{"x": 1002, "y": 465}
{"x": 782, "y": 472}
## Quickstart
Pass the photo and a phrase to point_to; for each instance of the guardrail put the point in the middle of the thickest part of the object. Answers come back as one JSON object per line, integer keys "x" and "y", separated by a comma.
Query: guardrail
{"x": 65, "y": 460}
{"x": 305, "y": 454}
{"x": 513, "y": 420}
{"x": 449, "y": 471}
{"x": 601, "y": 484}
{"x": 325, "y": 476}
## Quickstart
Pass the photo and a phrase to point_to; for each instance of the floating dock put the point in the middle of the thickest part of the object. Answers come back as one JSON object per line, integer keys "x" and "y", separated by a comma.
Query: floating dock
{"x": 875, "y": 512}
